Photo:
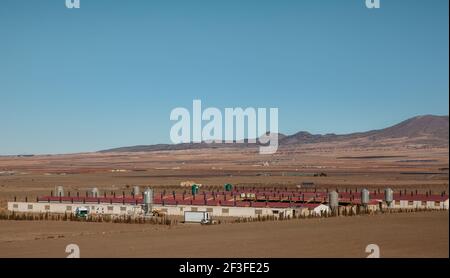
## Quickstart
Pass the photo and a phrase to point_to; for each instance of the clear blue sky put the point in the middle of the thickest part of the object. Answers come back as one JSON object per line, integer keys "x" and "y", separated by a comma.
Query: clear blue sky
{"x": 108, "y": 74}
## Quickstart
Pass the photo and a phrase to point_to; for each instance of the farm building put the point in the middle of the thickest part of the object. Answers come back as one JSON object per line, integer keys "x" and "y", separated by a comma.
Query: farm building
{"x": 69, "y": 207}
{"x": 399, "y": 201}
{"x": 243, "y": 202}
{"x": 421, "y": 201}
{"x": 133, "y": 209}
{"x": 313, "y": 209}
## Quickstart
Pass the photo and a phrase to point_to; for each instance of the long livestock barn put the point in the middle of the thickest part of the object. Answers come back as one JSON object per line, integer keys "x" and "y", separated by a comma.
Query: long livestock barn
{"x": 242, "y": 202}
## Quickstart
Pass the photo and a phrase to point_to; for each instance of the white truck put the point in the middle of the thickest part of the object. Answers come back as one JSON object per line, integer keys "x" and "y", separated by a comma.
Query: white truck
{"x": 82, "y": 212}
{"x": 196, "y": 217}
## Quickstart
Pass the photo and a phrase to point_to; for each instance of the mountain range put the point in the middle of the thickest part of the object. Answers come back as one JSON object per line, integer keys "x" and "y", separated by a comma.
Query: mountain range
{"x": 426, "y": 130}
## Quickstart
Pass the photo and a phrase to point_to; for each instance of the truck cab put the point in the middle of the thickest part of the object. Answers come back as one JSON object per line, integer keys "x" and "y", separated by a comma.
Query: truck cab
{"x": 82, "y": 212}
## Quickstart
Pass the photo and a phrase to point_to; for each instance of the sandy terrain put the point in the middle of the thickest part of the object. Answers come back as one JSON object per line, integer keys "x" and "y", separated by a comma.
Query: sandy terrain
{"x": 398, "y": 235}
{"x": 406, "y": 168}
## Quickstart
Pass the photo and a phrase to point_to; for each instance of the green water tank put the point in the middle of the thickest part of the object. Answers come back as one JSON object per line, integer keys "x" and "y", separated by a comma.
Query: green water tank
{"x": 194, "y": 189}
{"x": 228, "y": 187}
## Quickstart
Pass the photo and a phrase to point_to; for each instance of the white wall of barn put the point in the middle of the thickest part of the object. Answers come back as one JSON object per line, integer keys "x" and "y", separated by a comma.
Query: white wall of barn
{"x": 218, "y": 211}
{"x": 120, "y": 209}
{"x": 36, "y": 207}
{"x": 222, "y": 211}
{"x": 404, "y": 204}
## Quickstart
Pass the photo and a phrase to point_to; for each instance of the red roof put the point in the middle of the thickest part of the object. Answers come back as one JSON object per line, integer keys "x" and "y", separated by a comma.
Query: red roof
{"x": 184, "y": 202}
{"x": 170, "y": 202}
{"x": 213, "y": 203}
{"x": 420, "y": 197}
{"x": 278, "y": 205}
{"x": 227, "y": 203}
{"x": 243, "y": 204}
{"x": 309, "y": 206}
{"x": 198, "y": 202}
{"x": 259, "y": 204}
{"x": 274, "y": 198}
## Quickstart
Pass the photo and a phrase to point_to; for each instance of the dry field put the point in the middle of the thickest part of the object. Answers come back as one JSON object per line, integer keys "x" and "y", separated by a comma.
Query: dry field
{"x": 406, "y": 168}
{"x": 422, "y": 234}
{"x": 399, "y": 235}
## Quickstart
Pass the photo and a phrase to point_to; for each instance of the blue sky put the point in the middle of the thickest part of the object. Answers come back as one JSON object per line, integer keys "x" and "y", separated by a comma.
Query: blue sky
{"x": 108, "y": 74}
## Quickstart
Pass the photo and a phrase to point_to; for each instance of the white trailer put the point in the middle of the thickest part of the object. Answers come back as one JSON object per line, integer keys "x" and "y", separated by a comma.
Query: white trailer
{"x": 196, "y": 217}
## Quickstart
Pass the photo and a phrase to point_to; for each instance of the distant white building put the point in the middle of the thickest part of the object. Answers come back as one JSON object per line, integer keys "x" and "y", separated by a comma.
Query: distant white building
{"x": 136, "y": 210}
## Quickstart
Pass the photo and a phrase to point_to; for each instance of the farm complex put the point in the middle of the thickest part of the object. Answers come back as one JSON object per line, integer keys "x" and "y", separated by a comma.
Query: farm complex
{"x": 233, "y": 202}
{"x": 137, "y": 204}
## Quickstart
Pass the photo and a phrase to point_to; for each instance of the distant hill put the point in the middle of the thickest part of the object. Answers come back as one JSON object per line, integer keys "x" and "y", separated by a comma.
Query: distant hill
{"x": 426, "y": 130}
{"x": 435, "y": 127}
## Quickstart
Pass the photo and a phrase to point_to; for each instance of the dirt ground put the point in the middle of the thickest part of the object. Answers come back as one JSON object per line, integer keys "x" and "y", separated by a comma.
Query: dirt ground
{"x": 422, "y": 234}
{"x": 407, "y": 168}
{"x": 399, "y": 235}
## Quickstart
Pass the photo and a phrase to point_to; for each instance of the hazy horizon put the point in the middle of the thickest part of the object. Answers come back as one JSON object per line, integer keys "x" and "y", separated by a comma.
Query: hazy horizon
{"x": 286, "y": 134}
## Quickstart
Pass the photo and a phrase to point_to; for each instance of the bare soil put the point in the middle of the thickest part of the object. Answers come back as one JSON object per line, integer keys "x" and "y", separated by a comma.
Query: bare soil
{"x": 398, "y": 235}
{"x": 423, "y": 234}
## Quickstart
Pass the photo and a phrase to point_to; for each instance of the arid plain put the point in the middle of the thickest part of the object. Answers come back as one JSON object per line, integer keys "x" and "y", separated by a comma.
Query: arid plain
{"x": 423, "y": 234}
